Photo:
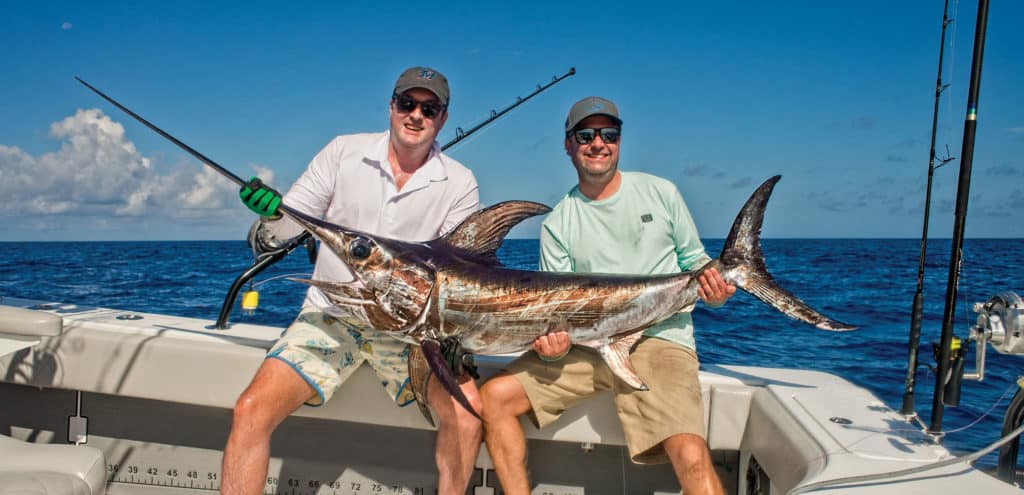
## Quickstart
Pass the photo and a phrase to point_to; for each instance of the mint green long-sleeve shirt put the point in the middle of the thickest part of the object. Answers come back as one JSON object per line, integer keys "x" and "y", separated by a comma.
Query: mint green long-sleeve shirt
{"x": 643, "y": 229}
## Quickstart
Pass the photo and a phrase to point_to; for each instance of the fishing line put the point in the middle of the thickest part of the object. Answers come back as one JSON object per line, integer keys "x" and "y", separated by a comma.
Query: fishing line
{"x": 906, "y": 472}
{"x": 923, "y": 428}
{"x": 986, "y": 413}
{"x": 261, "y": 282}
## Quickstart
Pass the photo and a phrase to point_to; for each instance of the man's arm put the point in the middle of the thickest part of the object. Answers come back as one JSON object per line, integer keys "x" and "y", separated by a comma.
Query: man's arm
{"x": 554, "y": 257}
{"x": 311, "y": 194}
{"x": 714, "y": 290}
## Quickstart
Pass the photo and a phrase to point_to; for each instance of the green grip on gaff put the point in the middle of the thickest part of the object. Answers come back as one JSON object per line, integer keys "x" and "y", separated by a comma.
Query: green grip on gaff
{"x": 260, "y": 198}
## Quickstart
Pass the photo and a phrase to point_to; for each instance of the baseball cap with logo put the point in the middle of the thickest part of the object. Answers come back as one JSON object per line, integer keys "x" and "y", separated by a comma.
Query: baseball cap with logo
{"x": 591, "y": 105}
{"x": 426, "y": 78}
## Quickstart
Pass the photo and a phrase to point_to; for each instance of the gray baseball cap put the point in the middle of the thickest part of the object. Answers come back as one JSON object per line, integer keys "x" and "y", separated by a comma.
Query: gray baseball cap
{"x": 426, "y": 78}
{"x": 591, "y": 105}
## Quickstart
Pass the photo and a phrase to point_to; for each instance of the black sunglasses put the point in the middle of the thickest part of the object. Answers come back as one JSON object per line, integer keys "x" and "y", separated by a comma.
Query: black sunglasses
{"x": 610, "y": 135}
{"x": 406, "y": 104}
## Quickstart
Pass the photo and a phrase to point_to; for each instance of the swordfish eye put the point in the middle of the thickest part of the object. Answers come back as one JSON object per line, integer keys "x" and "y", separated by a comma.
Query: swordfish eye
{"x": 360, "y": 248}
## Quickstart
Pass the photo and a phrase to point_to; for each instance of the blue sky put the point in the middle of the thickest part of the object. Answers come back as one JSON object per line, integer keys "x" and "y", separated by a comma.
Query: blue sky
{"x": 835, "y": 96}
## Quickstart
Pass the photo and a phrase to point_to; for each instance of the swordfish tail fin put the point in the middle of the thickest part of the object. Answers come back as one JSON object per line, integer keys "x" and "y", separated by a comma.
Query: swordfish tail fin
{"x": 743, "y": 264}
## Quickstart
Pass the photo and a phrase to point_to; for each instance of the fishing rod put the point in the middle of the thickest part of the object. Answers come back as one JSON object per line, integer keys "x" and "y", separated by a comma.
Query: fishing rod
{"x": 305, "y": 237}
{"x": 907, "y": 408}
{"x": 223, "y": 171}
{"x": 460, "y": 134}
{"x": 962, "y": 193}
{"x": 257, "y": 267}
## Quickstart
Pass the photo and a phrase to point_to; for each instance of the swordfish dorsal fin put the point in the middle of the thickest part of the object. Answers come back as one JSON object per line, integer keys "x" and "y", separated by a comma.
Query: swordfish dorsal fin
{"x": 482, "y": 233}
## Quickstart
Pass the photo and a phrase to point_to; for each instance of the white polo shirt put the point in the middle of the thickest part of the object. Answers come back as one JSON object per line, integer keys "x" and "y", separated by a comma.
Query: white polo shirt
{"x": 349, "y": 183}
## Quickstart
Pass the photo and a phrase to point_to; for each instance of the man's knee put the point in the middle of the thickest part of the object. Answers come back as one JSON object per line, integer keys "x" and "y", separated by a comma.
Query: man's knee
{"x": 456, "y": 416}
{"x": 503, "y": 396}
{"x": 450, "y": 411}
{"x": 248, "y": 411}
{"x": 256, "y": 411}
{"x": 688, "y": 451}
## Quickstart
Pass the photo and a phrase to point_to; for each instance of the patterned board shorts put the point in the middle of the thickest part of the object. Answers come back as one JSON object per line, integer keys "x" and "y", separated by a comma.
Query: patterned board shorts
{"x": 325, "y": 351}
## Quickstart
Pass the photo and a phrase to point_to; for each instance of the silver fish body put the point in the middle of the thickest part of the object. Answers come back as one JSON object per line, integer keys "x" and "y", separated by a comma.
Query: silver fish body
{"x": 507, "y": 310}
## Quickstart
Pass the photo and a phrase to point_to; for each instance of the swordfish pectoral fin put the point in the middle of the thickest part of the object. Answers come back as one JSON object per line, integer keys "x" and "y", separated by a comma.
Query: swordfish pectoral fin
{"x": 438, "y": 365}
{"x": 616, "y": 356}
{"x": 419, "y": 375}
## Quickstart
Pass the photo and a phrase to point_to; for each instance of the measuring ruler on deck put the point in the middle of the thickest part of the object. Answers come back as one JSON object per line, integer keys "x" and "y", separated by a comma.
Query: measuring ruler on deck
{"x": 172, "y": 480}
{"x": 167, "y": 469}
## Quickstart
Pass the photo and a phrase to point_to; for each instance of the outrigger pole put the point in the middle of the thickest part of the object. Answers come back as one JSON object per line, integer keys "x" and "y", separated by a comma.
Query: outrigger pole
{"x": 962, "y": 194}
{"x": 915, "y": 318}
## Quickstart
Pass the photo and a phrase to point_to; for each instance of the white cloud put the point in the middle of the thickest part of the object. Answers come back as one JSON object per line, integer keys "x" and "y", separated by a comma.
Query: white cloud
{"x": 208, "y": 191}
{"x": 265, "y": 174}
{"x": 99, "y": 173}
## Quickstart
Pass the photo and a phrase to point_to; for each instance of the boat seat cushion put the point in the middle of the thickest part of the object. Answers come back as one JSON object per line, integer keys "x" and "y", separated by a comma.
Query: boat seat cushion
{"x": 23, "y": 321}
{"x": 44, "y": 469}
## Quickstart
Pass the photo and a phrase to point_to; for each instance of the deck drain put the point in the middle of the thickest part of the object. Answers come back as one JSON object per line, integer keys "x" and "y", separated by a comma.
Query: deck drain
{"x": 129, "y": 317}
{"x": 840, "y": 420}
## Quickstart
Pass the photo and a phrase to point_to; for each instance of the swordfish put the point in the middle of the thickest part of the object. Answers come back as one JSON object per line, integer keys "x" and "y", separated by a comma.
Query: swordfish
{"x": 454, "y": 287}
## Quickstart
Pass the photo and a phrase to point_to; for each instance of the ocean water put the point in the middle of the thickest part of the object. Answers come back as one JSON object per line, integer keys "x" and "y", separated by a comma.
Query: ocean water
{"x": 866, "y": 282}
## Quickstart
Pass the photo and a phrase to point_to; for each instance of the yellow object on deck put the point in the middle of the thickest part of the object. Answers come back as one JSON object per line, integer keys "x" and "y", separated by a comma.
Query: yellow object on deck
{"x": 250, "y": 301}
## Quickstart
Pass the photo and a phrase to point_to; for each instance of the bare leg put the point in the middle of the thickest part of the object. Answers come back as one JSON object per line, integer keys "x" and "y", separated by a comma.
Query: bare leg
{"x": 458, "y": 436}
{"x": 504, "y": 401}
{"x": 691, "y": 462}
{"x": 275, "y": 392}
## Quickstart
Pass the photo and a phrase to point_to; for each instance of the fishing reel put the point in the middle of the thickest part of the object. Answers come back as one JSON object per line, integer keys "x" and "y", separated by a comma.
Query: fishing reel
{"x": 1001, "y": 324}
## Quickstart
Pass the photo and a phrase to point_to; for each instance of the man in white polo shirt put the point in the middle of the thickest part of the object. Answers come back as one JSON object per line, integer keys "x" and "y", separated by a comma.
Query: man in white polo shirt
{"x": 395, "y": 184}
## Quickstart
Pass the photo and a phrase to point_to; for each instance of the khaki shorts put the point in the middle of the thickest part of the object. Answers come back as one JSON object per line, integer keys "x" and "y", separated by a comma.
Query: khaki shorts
{"x": 325, "y": 351}
{"x": 672, "y": 405}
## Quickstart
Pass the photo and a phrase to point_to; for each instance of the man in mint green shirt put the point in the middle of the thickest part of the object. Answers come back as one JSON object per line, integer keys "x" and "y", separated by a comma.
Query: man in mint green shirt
{"x": 625, "y": 223}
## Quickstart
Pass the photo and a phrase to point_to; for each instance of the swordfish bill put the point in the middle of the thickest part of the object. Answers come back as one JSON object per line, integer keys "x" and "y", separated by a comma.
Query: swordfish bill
{"x": 454, "y": 287}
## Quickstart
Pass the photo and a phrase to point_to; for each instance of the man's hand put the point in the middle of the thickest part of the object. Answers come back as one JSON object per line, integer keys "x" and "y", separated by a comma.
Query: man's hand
{"x": 553, "y": 345}
{"x": 260, "y": 198}
{"x": 714, "y": 290}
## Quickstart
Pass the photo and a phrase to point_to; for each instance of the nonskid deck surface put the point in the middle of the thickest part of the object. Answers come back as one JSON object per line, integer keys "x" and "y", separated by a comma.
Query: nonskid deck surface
{"x": 158, "y": 390}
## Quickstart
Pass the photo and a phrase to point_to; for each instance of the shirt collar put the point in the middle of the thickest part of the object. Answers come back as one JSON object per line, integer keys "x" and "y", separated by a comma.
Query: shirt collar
{"x": 433, "y": 170}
